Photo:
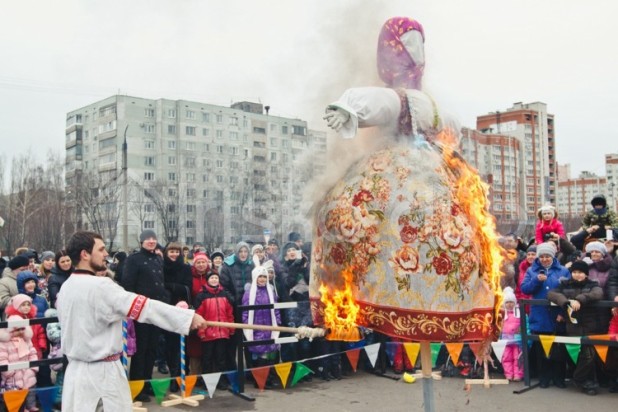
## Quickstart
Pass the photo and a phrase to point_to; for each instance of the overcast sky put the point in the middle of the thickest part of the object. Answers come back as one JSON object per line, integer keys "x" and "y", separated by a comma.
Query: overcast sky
{"x": 297, "y": 56}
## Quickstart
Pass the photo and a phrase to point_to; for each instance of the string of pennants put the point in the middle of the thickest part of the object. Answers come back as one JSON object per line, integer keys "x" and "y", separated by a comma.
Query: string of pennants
{"x": 14, "y": 399}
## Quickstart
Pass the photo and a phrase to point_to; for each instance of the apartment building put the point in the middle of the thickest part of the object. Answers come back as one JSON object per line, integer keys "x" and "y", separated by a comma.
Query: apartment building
{"x": 195, "y": 171}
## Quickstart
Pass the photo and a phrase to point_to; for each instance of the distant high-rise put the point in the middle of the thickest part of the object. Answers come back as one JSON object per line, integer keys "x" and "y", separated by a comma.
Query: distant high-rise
{"x": 533, "y": 127}
{"x": 197, "y": 171}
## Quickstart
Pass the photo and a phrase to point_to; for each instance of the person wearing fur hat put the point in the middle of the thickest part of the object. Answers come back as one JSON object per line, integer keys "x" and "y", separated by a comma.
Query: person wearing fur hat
{"x": 574, "y": 296}
{"x": 545, "y": 274}
{"x": 216, "y": 257}
{"x": 595, "y": 222}
{"x": 16, "y": 347}
{"x": 261, "y": 292}
{"x": 511, "y": 332}
{"x": 548, "y": 226}
{"x": 215, "y": 303}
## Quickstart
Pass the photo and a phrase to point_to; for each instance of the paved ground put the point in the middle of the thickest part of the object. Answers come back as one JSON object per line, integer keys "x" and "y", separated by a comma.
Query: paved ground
{"x": 365, "y": 392}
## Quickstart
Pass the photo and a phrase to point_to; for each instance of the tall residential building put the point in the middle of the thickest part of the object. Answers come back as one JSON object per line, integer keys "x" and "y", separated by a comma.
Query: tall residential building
{"x": 533, "y": 127}
{"x": 497, "y": 159}
{"x": 564, "y": 171}
{"x": 611, "y": 171}
{"x": 196, "y": 171}
{"x": 574, "y": 195}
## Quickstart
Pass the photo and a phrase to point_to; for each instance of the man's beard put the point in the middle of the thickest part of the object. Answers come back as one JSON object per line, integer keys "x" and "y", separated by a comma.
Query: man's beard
{"x": 98, "y": 268}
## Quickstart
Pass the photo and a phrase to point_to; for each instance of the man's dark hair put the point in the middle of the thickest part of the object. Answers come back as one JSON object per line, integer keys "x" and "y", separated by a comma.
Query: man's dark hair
{"x": 81, "y": 241}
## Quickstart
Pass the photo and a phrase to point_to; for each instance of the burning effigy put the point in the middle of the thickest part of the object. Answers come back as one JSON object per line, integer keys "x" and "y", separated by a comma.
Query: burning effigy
{"x": 403, "y": 243}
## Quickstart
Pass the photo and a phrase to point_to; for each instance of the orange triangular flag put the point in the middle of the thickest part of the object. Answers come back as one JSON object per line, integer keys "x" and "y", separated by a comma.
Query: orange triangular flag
{"x": 353, "y": 357}
{"x": 136, "y": 388}
{"x": 260, "y": 375}
{"x": 546, "y": 342}
{"x": 454, "y": 349}
{"x": 412, "y": 350}
{"x": 283, "y": 371}
{"x": 190, "y": 382}
{"x": 475, "y": 347}
{"x": 602, "y": 351}
{"x": 14, "y": 399}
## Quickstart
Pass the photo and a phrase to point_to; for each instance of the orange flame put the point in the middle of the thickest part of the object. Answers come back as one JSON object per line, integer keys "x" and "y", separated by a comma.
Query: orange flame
{"x": 340, "y": 310}
{"x": 471, "y": 193}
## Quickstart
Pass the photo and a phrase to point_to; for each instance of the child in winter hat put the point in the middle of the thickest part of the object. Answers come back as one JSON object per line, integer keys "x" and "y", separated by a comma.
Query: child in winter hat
{"x": 511, "y": 332}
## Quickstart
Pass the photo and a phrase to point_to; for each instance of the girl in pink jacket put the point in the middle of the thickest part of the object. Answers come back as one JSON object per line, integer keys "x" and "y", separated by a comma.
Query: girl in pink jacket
{"x": 511, "y": 362}
{"x": 16, "y": 346}
{"x": 548, "y": 225}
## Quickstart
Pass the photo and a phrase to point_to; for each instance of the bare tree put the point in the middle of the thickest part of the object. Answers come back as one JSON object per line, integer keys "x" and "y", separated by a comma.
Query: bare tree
{"x": 100, "y": 197}
{"x": 167, "y": 202}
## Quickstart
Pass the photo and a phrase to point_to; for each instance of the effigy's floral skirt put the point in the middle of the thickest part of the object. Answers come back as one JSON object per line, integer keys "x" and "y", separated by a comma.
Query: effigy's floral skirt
{"x": 394, "y": 221}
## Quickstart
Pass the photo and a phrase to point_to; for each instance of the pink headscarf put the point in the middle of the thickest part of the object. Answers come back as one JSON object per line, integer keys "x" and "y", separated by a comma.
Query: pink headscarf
{"x": 395, "y": 65}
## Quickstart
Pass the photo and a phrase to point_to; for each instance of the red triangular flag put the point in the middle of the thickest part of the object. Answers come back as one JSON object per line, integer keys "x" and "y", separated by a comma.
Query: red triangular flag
{"x": 353, "y": 358}
{"x": 260, "y": 375}
{"x": 475, "y": 347}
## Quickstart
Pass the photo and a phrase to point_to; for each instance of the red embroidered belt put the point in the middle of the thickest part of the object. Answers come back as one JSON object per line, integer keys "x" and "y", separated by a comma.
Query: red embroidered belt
{"x": 111, "y": 358}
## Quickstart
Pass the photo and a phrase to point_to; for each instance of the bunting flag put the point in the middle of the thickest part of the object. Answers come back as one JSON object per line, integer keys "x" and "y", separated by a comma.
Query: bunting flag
{"x": 159, "y": 387}
{"x": 300, "y": 372}
{"x": 136, "y": 387}
{"x": 601, "y": 349}
{"x": 454, "y": 350}
{"x": 14, "y": 399}
{"x": 546, "y": 342}
{"x": 232, "y": 377}
{"x": 260, "y": 375}
{"x": 372, "y": 352}
{"x": 211, "y": 380}
{"x": 412, "y": 349}
{"x": 573, "y": 350}
{"x": 353, "y": 356}
{"x": 475, "y": 347}
{"x": 47, "y": 397}
{"x": 498, "y": 348}
{"x": 283, "y": 371}
{"x": 190, "y": 382}
{"x": 435, "y": 351}
{"x": 390, "y": 351}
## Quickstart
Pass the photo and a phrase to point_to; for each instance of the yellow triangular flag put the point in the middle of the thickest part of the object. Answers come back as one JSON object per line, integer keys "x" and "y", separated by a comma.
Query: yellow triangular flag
{"x": 412, "y": 350}
{"x": 136, "y": 388}
{"x": 283, "y": 371}
{"x": 602, "y": 351}
{"x": 547, "y": 341}
{"x": 14, "y": 399}
{"x": 454, "y": 349}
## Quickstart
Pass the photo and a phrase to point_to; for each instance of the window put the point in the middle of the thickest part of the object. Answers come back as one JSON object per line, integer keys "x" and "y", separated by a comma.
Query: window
{"x": 171, "y": 176}
{"x": 219, "y": 163}
{"x": 171, "y": 129}
{"x": 285, "y": 143}
{"x": 190, "y": 177}
{"x": 149, "y": 224}
{"x": 233, "y": 179}
{"x": 206, "y": 162}
{"x": 233, "y": 135}
{"x": 190, "y": 240}
{"x": 233, "y": 121}
{"x": 171, "y": 208}
{"x": 171, "y": 192}
{"x": 206, "y": 147}
{"x": 191, "y": 208}
{"x": 171, "y": 113}
{"x": 190, "y": 193}
{"x": 219, "y": 149}
{"x": 205, "y": 132}
{"x": 235, "y": 210}
{"x": 189, "y": 161}
{"x": 273, "y": 156}
{"x": 171, "y": 224}
{"x": 149, "y": 208}
{"x": 284, "y": 130}
{"x": 219, "y": 118}
{"x": 219, "y": 179}
{"x": 273, "y": 142}
{"x": 171, "y": 160}
{"x": 149, "y": 112}
{"x": 149, "y": 161}
{"x": 171, "y": 144}
{"x": 234, "y": 151}
{"x": 204, "y": 178}
{"x": 149, "y": 176}
{"x": 206, "y": 117}
{"x": 150, "y": 128}
{"x": 149, "y": 144}
{"x": 205, "y": 194}
{"x": 219, "y": 134}
{"x": 259, "y": 130}
{"x": 190, "y": 224}
{"x": 190, "y": 130}
{"x": 190, "y": 114}
{"x": 190, "y": 145}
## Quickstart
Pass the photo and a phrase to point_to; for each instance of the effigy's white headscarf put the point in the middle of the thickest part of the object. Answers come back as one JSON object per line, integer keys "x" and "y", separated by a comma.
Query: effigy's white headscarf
{"x": 257, "y": 272}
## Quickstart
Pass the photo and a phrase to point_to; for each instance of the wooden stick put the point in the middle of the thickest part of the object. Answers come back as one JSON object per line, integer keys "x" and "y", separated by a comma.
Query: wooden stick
{"x": 315, "y": 332}
{"x": 426, "y": 366}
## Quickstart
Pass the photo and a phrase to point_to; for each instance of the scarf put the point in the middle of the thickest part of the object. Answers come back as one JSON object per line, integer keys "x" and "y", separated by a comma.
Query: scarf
{"x": 252, "y": 294}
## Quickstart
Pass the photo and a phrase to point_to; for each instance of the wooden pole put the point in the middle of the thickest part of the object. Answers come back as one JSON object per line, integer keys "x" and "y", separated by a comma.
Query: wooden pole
{"x": 315, "y": 332}
{"x": 426, "y": 366}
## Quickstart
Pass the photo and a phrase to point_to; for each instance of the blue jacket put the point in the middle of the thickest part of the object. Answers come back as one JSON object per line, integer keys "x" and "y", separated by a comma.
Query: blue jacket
{"x": 37, "y": 300}
{"x": 543, "y": 318}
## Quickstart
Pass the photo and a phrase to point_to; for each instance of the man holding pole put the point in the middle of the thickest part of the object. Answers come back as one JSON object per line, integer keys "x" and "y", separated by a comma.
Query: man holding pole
{"x": 91, "y": 310}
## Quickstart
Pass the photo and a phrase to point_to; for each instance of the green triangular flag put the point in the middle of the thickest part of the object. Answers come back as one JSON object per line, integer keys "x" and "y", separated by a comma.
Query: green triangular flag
{"x": 573, "y": 349}
{"x": 435, "y": 350}
{"x": 300, "y": 372}
{"x": 159, "y": 387}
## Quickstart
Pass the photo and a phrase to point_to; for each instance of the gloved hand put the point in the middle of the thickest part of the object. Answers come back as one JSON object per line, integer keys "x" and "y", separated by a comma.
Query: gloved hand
{"x": 336, "y": 118}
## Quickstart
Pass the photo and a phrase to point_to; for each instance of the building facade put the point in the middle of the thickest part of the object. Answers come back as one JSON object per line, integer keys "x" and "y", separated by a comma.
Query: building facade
{"x": 195, "y": 171}
{"x": 533, "y": 127}
{"x": 574, "y": 195}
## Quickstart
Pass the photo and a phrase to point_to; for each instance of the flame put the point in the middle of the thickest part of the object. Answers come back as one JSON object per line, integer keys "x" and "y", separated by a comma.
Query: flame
{"x": 471, "y": 194}
{"x": 340, "y": 309}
